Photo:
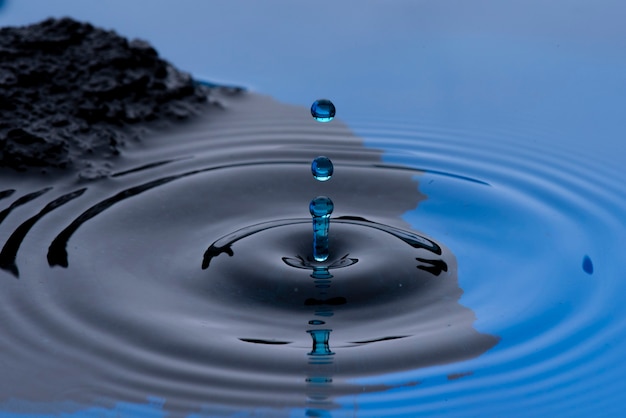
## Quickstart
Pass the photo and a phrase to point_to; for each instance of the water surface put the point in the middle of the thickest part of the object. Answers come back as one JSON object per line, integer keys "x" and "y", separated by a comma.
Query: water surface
{"x": 189, "y": 274}
{"x": 506, "y": 120}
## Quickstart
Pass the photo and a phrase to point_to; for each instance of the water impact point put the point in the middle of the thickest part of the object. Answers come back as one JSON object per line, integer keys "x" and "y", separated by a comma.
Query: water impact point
{"x": 320, "y": 208}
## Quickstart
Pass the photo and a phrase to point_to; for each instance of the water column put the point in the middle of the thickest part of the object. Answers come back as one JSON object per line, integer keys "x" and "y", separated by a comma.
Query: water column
{"x": 321, "y": 208}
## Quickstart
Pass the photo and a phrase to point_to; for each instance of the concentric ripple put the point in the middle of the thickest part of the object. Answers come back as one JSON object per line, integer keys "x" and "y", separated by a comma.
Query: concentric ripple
{"x": 538, "y": 254}
{"x": 455, "y": 271}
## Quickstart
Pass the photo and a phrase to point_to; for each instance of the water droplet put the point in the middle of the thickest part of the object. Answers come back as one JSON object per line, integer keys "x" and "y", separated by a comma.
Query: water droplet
{"x": 316, "y": 322}
{"x": 321, "y": 206}
{"x": 322, "y": 168}
{"x": 323, "y": 110}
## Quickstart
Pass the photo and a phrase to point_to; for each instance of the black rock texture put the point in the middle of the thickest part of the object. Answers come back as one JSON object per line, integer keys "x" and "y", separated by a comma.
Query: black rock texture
{"x": 70, "y": 92}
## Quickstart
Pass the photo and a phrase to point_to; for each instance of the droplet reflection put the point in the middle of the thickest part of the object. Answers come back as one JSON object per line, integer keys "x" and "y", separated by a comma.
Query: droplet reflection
{"x": 320, "y": 342}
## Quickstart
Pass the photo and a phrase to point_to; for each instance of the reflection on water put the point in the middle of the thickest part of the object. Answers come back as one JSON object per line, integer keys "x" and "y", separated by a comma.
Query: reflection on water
{"x": 360, "y": 291}
{"x": 191, "y": 275}
{"x": 527, "y": 193}
{"x": 173, "y": 279}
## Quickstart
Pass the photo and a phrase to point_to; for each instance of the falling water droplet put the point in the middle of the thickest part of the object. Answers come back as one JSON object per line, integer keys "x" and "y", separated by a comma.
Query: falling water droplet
{"x": 321, "y": 207}
{"x": 323, "y": 110}
{"x": 322, "y": 168}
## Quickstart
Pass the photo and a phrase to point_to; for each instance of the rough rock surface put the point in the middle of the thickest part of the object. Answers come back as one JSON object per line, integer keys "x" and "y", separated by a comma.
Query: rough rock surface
{"x": 70, "y": 92}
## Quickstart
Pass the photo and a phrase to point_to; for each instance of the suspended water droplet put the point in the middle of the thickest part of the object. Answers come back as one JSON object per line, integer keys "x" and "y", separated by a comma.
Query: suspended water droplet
{"x": 316, "y": 322}
{"x": 323, "y": 110}
{"x": 321, "y": 207}
{"x": 322, "y": 168}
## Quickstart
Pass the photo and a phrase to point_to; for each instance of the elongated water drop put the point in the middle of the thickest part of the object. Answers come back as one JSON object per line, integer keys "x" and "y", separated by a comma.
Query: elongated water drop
{"x": 322, "y": 168}
{"x": 323, "y": 110}
{"x": 321, "y": 207}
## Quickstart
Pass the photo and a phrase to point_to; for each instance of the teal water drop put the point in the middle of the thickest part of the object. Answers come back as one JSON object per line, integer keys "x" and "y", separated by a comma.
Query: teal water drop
{"x": 323, "y": 110}
{"x": 322, "y": 168}
{"x": 321, "y": 206}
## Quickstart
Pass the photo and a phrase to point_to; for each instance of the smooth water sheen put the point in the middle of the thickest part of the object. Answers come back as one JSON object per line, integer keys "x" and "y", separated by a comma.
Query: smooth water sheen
{"x": 467, "y": 271}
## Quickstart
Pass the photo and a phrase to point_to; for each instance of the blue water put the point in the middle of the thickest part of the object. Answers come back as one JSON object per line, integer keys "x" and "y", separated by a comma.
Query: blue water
{"x": 531, "y": 266}
{"x": 322, "y": 168}
{"x": 323, "y": 110}
{"x": 321, "y": 208}
{"x": 522, "y": 98}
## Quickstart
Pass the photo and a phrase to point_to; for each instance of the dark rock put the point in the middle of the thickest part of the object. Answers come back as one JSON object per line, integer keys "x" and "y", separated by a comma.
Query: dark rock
{"x": 71, "y": 93}
{"x": 28, "y": 149}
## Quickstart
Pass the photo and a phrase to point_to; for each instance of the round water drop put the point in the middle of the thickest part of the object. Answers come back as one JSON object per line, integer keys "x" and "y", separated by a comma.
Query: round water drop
{"x": 322, "y": 168}
{"x": 323, "y": 110}
{"x": 321, "y": 207}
